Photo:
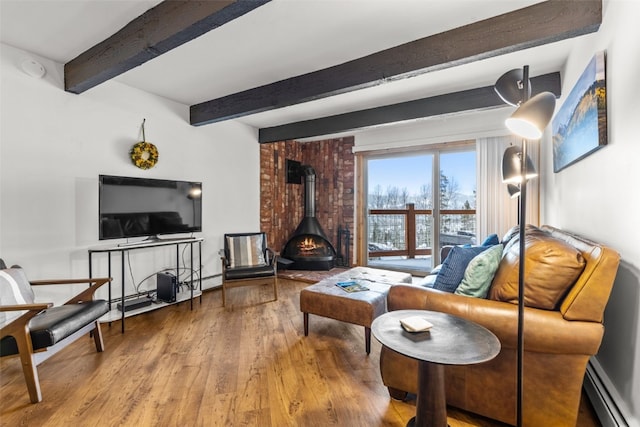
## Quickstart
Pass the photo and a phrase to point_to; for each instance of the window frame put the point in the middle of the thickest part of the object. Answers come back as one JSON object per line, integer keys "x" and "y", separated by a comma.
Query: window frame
{"x": 362, "y": 158}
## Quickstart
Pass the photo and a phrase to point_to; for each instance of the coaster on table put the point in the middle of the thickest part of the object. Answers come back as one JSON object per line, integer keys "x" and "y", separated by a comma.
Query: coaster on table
{"x": 415, "y": 324}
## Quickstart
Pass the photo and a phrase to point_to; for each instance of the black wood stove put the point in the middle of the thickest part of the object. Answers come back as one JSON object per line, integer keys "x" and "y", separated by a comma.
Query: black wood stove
{"x": 309, "y": 248}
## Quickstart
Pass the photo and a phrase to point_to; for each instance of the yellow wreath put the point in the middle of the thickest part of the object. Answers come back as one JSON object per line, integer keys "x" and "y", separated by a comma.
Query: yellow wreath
{"x": 144, "y": 155}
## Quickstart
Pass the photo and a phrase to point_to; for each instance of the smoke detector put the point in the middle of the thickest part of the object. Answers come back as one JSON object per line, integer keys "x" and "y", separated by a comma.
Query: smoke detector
{"x": 33, "y": 68}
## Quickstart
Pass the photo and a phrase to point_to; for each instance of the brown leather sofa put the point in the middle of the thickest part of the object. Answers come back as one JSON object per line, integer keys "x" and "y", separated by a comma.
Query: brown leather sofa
{"x": 558, "y": 341}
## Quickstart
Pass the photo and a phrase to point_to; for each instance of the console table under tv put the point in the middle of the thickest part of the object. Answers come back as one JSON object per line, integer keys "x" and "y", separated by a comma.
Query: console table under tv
{"x": 114, "y": 313}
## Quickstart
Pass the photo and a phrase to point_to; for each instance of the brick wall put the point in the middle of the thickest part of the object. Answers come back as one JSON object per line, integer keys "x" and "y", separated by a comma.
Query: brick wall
{"x": 282, "y": 204}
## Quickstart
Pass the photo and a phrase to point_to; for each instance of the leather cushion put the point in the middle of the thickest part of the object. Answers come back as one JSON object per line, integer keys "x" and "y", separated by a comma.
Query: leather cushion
{"x": 512, "y": 237}
{"x": 551, "y": 268}
{"x": 249, "y": 272}
{"x": 56, "y": 323}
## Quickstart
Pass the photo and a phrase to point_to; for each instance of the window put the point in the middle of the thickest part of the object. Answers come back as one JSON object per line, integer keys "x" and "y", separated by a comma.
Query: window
{"x": 400, "y": 219}
{"x": 457, "y": 198}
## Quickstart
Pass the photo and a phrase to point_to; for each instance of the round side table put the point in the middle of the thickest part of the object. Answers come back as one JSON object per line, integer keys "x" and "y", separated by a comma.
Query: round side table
{"x": 451, "y": 341}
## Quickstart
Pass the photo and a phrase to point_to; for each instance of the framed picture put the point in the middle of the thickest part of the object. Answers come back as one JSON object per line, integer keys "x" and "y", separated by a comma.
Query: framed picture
{"x": 580, "y": 126}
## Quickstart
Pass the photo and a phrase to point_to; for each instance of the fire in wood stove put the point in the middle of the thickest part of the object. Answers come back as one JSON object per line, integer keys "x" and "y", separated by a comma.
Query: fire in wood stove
{"x": 312, "y": 246}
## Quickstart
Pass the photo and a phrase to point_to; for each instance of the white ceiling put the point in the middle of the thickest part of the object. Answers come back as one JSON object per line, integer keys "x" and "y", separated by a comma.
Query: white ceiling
{"x": 278, "y": 40}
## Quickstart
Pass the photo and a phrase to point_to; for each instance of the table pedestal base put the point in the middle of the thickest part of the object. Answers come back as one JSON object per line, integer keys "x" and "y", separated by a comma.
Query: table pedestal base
{"x": 431, "y": 405}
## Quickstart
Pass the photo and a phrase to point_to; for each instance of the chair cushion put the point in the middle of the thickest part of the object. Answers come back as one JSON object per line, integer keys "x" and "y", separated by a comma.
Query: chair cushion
{"x": 246, "y": 251}
{"x": 56, "y": 323}
{"x": 249, "y": 272}
{"x": 14, "y": 289}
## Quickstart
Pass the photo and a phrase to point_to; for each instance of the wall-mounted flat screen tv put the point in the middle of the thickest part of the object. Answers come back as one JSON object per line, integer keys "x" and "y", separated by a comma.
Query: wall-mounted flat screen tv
{"x": 139, "y": 207}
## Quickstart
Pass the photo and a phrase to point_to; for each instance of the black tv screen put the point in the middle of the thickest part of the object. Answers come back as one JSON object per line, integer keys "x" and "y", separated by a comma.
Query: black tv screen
{"x": 136, "y": 207}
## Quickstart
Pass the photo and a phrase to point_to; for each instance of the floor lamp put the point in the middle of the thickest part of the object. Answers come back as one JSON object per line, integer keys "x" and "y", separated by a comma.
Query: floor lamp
{"x": 528, "y": 121}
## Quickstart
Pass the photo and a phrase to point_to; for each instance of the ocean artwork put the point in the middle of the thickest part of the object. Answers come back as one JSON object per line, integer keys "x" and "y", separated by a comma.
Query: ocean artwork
{"x": 580, "y": 126}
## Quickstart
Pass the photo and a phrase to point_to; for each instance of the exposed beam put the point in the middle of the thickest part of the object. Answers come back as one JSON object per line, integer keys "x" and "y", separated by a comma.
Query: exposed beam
{"x": 467, "y": 100}
{"x": 532, "y": 26}
{"x": 157, "y": 31}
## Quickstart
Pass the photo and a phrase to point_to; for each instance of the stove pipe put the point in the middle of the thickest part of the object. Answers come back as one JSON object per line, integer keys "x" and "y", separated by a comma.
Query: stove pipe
{"x": 309, "y": 224}
{"x": 309, "y": 191}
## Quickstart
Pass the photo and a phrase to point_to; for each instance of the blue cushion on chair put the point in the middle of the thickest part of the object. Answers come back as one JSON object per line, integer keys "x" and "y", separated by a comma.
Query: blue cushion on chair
{"x": 454, "y": 266}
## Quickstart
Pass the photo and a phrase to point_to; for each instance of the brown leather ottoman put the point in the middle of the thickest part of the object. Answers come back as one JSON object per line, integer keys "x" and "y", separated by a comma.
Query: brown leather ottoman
{"x": 360, "y": 308}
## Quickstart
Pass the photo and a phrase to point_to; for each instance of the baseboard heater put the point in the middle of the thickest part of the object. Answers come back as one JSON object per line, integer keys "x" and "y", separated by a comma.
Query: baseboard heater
{"x": 133, "y": 304}
{"x": 603, "y": 403}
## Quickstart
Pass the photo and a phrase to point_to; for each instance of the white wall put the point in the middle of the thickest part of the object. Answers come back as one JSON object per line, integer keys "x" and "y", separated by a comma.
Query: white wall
{"x": 598, "y": 196}
{"x": 53, "y": 146}
{"x": 433, "y": 130}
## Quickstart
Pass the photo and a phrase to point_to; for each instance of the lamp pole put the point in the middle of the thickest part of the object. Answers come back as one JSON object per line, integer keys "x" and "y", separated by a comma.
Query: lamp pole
{"x": 522, "y": 220}
{"x": 528, "y": 121}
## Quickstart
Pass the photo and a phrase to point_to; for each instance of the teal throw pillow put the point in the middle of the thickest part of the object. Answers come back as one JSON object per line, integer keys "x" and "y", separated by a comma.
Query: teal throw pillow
{"x": 479, "y": 273}
{"x": 454, "y": 266}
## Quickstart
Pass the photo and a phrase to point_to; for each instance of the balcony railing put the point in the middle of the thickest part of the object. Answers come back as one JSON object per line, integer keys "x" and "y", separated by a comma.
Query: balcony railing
{"x": 409, "y": 230}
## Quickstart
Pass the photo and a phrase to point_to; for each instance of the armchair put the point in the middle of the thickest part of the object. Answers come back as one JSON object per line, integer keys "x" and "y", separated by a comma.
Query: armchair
{"x": 247, "y": 261}
{"x": 37, "y": 331}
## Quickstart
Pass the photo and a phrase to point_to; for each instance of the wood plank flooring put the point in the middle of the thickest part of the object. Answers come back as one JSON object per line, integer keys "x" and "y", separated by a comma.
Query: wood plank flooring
{"x": 245, "y": 365}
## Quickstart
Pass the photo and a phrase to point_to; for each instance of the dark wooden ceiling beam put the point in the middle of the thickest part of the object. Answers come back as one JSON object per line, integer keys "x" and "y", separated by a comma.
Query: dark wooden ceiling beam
{"x": 467, "y": 100}
{"x": 542, "y": 23}
{"x": 157, "y": 31}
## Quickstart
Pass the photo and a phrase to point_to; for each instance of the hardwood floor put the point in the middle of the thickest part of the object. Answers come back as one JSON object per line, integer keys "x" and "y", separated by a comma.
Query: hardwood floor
{"x": 247, "y": 365}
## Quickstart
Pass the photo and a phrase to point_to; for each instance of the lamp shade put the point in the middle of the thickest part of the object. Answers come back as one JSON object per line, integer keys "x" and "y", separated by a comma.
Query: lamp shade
{"x": 512, "y": 166}
{"x": 510, "y": 87}
{"x": 530, "y": 119}
{"x": 514, "y": 190}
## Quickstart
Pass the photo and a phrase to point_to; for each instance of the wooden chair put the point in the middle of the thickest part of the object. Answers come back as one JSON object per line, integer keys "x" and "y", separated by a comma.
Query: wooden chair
{"x": 37, "y": 331}
{"x": 247, "y": 261}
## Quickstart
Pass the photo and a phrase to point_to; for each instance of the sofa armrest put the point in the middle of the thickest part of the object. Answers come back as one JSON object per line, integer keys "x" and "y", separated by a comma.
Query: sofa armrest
{"x": 545, "y": 331}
